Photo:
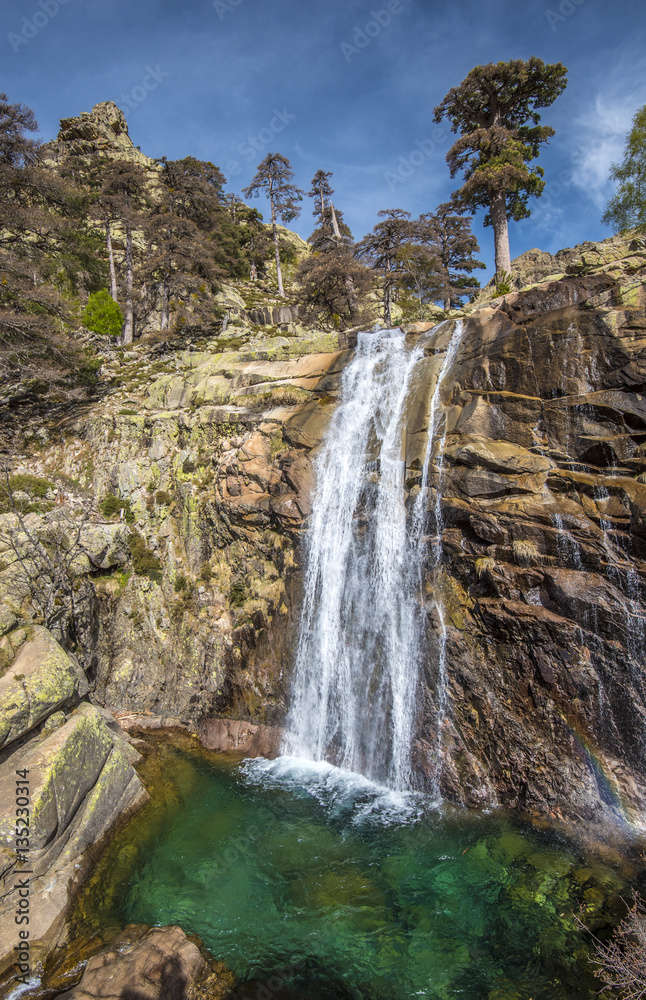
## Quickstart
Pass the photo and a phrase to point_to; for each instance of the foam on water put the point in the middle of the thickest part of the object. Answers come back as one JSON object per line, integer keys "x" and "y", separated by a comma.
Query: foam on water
{"x": 343, "y": 794}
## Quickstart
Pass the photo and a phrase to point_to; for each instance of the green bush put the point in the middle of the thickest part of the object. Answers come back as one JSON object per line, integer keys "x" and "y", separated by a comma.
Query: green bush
{"x": 144, "y": 562}
{"x": 111, "y": 506}
{"x": 181, "y": 583}
{"x": 35, "y": 487}
{"x": 163, "y": 498}
{"x": 237, "y": 594}
{"x": 102, "y": 314}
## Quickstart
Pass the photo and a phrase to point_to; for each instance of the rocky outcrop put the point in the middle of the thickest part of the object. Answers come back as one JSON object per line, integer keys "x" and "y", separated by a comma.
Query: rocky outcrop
{"x": 619, "y": 256}
{"x": 76, "y": 779}
{"x": 157, "y": 964}
{"x": 102, "y": 131}
{"x": 244, "y": 738}
{"x": 543, "y": 574}
{"x": 70, "y": 760}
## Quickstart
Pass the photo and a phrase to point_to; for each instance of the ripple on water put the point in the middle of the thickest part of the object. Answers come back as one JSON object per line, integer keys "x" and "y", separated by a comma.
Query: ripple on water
{"x": 357, "y": 891}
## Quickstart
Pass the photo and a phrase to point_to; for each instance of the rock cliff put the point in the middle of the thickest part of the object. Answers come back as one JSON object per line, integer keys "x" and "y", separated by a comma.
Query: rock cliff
{"x": 176, "y": 500}
{"x": 542, "y": 517}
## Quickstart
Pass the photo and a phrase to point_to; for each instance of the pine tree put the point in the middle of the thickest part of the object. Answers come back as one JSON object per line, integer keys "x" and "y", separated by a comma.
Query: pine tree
{"x": 495, "y": 111}
{"x": 331, "y": 281}
{"x": 181, "y": 263}
{"x": 48, "y": 253}
{"x": 381, "y": 249}
{"x": 447, "y": 239}
{"x": 321, "y": 190}
{"x": 627, "y": 208}
{"x": 123, "y": 196}
{"x": 274, "y": 176}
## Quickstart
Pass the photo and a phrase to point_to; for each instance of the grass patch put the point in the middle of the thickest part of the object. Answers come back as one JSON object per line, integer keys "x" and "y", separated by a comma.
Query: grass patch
{"x": 484, "y": 565}
{"x": 525, "y": 553}
{"x": 34, "y": 487}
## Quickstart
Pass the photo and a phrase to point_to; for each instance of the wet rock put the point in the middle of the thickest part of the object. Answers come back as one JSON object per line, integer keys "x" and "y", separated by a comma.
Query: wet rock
{"x": 153, "y": 964}
{"x": 232, "y": 736}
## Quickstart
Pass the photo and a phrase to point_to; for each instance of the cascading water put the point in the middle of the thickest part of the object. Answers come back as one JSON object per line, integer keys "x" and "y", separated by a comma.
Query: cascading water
{"x": 419, "y": 519}
{"x": 357, "y": 661}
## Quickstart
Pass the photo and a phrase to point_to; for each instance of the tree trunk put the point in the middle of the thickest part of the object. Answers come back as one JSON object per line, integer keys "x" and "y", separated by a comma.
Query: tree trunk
{"x": 113, "y": 274}
{"x": 498, "y": 205}
{"x": 253, "y": 272}
{"x": 129, "y": 325}
{"x": 279, "y": 273}
{"x": 165, "y": 307}
{"x": 388, "y": 320}
{"x": 351, "y": 293}
{"x": 335, "y": 223}
{"x": 322, "y": 204}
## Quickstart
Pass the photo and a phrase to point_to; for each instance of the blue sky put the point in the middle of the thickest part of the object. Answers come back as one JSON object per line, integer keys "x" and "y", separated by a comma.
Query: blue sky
{"x": 332, "y": 86}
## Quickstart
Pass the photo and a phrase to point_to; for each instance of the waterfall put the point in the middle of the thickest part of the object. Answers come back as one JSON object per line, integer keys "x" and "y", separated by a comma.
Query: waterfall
{"x": 356, "y": 662}
{"x": 419, "y": 521}
{"x": 356, "y": 677}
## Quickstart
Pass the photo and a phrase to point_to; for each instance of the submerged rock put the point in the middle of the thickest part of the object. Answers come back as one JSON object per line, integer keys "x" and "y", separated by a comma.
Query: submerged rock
{"x": 157, "y": 964}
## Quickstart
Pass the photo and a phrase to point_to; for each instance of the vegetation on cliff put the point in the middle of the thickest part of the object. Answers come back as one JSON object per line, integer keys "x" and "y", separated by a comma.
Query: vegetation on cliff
{"x": 495, "y": 111}
{"x": 627, "y": 209}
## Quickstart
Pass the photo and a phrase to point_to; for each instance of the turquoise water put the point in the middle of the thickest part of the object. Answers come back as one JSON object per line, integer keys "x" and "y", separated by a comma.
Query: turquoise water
{"x": 309, "y": 882}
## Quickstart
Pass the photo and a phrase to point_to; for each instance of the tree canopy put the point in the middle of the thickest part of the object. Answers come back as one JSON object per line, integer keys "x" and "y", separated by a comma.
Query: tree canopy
{"x": 495, "y": 112}
{"x": 627, "y": 208}
{"x": 381, "y": 250}
{"x": 274, "y": 175}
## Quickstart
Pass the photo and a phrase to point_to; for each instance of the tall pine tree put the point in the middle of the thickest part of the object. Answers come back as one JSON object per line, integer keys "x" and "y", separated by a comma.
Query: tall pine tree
{"x": 274, "y": 177}
{"x": 494, "y": 110}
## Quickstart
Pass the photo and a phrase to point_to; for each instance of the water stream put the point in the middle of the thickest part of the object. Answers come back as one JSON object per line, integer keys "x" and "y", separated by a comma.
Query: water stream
{"x": 358, "y": 658}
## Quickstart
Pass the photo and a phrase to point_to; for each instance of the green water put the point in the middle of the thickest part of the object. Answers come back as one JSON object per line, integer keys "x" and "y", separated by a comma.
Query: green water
{"x": 315, "y": 885}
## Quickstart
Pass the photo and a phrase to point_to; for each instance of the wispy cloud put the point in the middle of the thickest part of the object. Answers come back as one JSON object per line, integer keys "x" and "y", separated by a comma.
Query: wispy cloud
{"x": 597, "y": 140}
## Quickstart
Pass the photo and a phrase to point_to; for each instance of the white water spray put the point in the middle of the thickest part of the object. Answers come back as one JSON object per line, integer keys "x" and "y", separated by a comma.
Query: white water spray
{"x": 358, "y": 657}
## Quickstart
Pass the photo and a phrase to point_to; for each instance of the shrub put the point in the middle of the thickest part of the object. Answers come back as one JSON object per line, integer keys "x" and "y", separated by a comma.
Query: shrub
{"x": 206, "y": 573}
{"x": 163, "y": 498}
{"x": 181, "y": 583}
{"x": 102, "y": 314}
{"x": 111, "y": 506}
{"x": 503, "y": 283}
{"x": 237, "y": 594}
{"x": 621, "y": 962}
{"x": 87, "y": 374}
{"x": 35, "y": 487}
{"x": 144, "y": 562}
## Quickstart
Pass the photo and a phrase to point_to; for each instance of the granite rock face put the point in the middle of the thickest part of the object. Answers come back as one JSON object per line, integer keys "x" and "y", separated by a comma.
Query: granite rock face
{"x": 543, "y": 576}
{"x": 103, "y": 131}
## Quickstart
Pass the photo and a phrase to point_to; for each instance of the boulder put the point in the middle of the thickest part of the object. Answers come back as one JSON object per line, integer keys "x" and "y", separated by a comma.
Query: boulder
{"x": 41, "y": 679}
{"x": 233, "y": 736}
{"x": 81, "y": 780}
{"x": 156, "y": 964}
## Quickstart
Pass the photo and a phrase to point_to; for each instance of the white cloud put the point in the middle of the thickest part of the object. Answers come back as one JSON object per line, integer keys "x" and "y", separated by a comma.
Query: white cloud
{"x": 597, "y": 140}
